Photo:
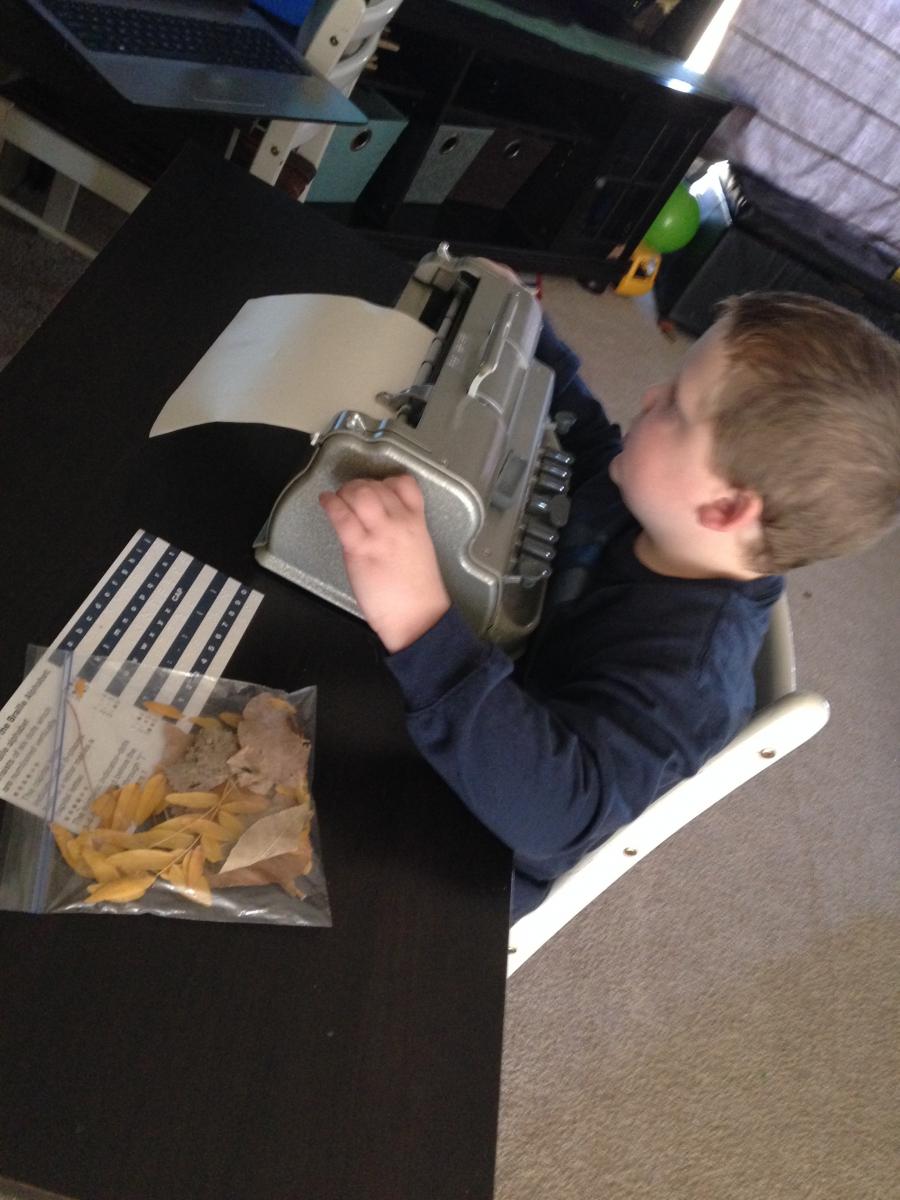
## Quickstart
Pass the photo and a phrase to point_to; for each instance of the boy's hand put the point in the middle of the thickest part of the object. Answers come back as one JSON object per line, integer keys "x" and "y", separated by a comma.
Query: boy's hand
{"x": 389, "y": 556}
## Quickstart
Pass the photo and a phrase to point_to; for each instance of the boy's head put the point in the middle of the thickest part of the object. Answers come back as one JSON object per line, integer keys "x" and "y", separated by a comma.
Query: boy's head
{"x": 781, "y": 432}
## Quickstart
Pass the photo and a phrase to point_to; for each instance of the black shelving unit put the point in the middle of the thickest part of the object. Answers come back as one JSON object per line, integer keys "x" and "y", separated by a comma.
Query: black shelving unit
{"x": 585, "y": 138}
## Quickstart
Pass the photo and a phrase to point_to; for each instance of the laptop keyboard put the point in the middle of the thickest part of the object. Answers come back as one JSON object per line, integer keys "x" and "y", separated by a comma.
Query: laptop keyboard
{"x": 112, "y": 30}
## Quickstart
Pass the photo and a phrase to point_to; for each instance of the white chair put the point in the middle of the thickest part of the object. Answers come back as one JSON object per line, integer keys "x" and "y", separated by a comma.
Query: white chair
{"x": 784, "y": 719}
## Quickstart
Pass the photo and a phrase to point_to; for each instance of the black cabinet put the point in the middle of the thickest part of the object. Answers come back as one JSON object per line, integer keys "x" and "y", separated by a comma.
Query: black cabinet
{"x": 549, "y": 146}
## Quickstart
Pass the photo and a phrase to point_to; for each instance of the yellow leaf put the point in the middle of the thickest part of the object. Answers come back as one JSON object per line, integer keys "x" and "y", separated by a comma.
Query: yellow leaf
{"x": 166, "y": 840}
{"x": 174, "y": 824}
{"x": 193, "y": 866}
{"x": 68, "y": 847}
{"x": 152, "y": 798}
{"x": 120, "y": 890}
{"x": 126, "y": 806}
{"x": 210, "y": 829}
{"x": 163, "y": 710}
{"x": 205, "y": 722}
{"x": 245, "y": 804}
{"x": 61, "y": 835}
{"x": 128, "y": 861}
{"x": 232, "y": 720}
{"x": 109, "y": 839}
{"x": 204, "y": 800}
{"x": 200, "y": 892}
{"x": 233, "y": 825}
{"x": 213, "y": 851}
{"x": 105, "y": 806}
{"x": 99, "y": 865}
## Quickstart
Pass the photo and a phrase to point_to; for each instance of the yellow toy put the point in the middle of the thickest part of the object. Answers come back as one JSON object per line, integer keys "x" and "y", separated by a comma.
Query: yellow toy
{"x": 641, "y": 275}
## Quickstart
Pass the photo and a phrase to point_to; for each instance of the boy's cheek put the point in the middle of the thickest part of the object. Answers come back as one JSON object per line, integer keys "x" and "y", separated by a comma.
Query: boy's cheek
{"x": 614, "y": 468}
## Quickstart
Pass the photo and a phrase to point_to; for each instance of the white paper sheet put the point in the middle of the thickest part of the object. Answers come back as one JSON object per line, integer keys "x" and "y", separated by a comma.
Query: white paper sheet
{"x": 156, "y": 607}
{"x": 297, "y": 361}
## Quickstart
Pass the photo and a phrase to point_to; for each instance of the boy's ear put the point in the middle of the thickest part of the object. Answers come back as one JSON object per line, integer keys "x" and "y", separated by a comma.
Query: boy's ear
{"x": 734, "y": 510}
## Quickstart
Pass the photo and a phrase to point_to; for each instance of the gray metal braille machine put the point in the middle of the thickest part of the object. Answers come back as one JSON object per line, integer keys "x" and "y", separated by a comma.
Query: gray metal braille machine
{"x": 474, "y": 429}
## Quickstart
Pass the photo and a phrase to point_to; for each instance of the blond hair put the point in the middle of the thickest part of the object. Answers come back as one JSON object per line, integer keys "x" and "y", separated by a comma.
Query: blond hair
{"x": 808, "y": 417}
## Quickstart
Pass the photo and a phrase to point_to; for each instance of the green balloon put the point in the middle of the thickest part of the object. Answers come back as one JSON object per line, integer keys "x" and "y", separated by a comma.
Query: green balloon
{"x": 676, "y": 222}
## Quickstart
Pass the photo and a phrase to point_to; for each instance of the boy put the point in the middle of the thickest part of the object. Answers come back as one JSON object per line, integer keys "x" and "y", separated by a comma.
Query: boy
{"x": 777, "y": 444}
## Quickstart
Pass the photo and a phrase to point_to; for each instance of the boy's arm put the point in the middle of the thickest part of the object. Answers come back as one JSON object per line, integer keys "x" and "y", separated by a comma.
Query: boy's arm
{"x": 591, "y": 437}
{"x": 546, "y": 777}
{"x": 550, "y": 777}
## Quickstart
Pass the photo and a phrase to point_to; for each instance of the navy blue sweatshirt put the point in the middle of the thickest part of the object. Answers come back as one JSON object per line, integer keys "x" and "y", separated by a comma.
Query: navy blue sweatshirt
{"x": 631, "y": 681}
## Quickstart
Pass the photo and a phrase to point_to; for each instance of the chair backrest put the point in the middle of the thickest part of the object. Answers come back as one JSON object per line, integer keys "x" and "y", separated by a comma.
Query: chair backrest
{"x": 775, "y": 669}
{"x": 784, "y": 719}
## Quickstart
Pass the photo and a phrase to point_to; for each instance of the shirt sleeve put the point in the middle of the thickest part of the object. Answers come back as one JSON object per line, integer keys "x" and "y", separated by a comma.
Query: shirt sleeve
{"x": 550, "y": 776}
{"x": 592, "y": 438}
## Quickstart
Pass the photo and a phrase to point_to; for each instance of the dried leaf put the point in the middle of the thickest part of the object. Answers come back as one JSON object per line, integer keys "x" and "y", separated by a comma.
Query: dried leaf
{"x": 61, "y": 835}
{"x": 69, "y": 848}
{"x": 232, "y": 824}
{"x": 204, "y": 763}
{"x": 232, "y": 720}
{"x": 126, "y": 806}
{"x": 175, "y": 744}
{"x": 210, "y": 829}
{"x": 174, "y": 824}
{"x": 268, "y": 837}
{"x": 99, "y": 865}
{"x": 272, "y": 750}
{"x": 104, "y": 806}
{"x": 200, "y": 892}
{"x": 205, "y": 722}
{"x": 193, "y": 866}
{"x": 110, "y": 839}
{"x": 204, "y": 800}
{"x": 128, "y": 861}
{"x": 163, "y": 710}
{"x": 245, "y": 804}
{"x": 120, "y": 890}
{"x": 282, "y": 869}
{"x": 151, "y": 840}
{"x": 152, "y": 799}
{"x": 213, "y": 850}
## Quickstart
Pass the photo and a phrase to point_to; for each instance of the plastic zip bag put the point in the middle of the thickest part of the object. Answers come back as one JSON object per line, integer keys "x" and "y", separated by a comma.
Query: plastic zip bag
{"x": 189, "y": 798}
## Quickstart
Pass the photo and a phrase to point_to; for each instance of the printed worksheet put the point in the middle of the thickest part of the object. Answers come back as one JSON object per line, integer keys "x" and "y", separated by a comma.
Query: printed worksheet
{"x": 159, "y": 629}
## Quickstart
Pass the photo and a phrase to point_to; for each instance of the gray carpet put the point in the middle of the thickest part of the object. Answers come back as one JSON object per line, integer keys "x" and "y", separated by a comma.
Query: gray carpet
{"x": 722, "y": 1024}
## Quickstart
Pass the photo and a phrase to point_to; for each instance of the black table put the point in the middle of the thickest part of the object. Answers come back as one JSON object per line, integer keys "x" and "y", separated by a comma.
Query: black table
{"x": 149, "y": 1059}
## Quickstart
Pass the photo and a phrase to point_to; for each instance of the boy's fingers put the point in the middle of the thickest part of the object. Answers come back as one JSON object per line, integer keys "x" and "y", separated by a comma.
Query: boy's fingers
{"x": 364, "y": 498}
{"x": 407, "y": 489}
{"x": 347, "y": 525}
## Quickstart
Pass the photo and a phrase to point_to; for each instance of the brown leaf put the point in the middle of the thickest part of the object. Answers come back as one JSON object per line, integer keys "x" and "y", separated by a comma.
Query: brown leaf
{"x": 272, "y": 750}
{"x": 204, "y": 763}
{"x": 269, "y": 837}
{"x": 282, "y": 869}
